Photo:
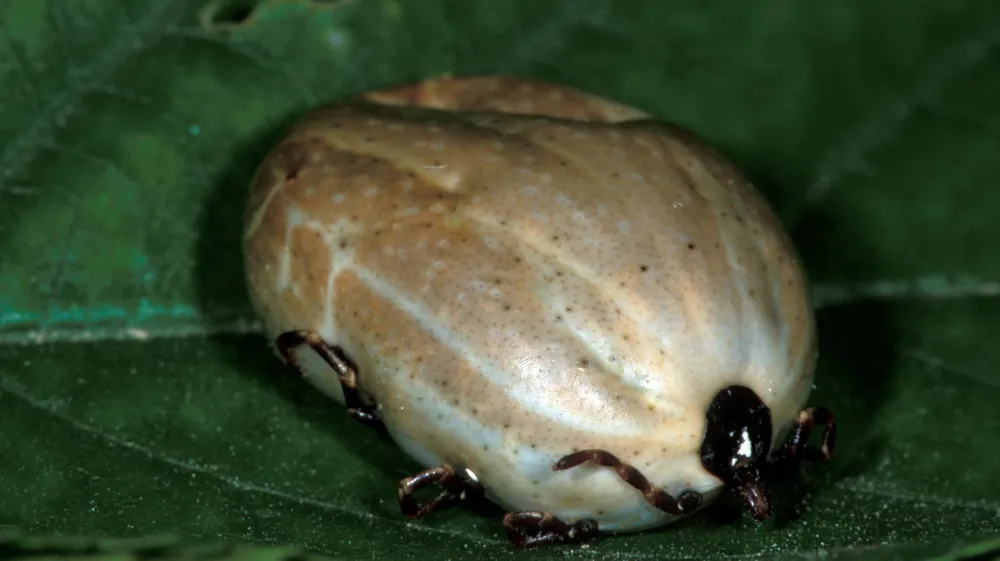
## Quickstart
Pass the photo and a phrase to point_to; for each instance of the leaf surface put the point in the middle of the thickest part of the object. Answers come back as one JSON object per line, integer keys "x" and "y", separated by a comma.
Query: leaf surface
{"x": 137, "y": 398}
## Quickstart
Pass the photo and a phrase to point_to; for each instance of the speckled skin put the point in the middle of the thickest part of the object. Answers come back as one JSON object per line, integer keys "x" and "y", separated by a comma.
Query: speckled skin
{"x": 517, "y": 287}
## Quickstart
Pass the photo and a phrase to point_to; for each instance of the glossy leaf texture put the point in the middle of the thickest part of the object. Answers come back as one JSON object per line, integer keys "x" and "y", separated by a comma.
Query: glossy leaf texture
{"x": 137, "y": 397}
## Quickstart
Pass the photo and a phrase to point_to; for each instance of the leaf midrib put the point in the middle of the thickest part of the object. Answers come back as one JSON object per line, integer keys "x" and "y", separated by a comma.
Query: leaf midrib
{"x": 203, "y": 325}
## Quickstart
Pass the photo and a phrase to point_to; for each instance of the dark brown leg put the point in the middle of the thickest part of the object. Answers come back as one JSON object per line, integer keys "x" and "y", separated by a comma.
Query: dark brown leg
{"x": 687, "y": 502}
{"x": 367, "y": 413}
{"x": 796, "y": 445}
{"x": 532, "y": 529}
{"x": 456, "y": 488}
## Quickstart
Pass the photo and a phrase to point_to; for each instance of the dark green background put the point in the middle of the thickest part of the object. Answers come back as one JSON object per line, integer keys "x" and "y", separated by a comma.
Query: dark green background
{"x": 136, "y": 397}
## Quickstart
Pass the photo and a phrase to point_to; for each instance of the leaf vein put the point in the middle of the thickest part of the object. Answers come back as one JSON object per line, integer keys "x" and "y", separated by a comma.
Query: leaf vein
{"x": 240, "y": 49}
{"x": 933, "y": 287}
{"x": 936, "y": 363}
{"x": 20, "y": 332}
{"x": 9, "y": 386}
{"x": 21, "y": 151}
{"x": 882, "y": 127}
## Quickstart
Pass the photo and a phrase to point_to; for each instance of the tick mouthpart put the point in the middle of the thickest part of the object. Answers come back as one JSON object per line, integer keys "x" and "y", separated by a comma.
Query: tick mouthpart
{"x": 748, "y": 483}
{"x": 756, "y": 500}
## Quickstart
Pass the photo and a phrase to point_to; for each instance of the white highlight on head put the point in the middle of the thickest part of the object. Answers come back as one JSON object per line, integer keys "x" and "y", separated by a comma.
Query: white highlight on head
{"x": 745, "y": 448}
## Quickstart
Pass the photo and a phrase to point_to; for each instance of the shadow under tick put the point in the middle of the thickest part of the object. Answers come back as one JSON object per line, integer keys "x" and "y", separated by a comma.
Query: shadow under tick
{"x": 854, "y": 369}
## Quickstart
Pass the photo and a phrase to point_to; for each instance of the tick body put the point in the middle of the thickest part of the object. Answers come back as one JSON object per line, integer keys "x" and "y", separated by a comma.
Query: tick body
{"x": 582, "y": 312}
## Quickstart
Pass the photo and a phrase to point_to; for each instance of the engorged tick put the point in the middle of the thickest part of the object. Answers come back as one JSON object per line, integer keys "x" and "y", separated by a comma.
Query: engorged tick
{"x": 589, "y": 380}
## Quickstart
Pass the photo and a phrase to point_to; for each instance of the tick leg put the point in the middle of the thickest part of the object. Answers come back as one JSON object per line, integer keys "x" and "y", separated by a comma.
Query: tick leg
{"x": 367, "y": 413}
{"x": 796, "y": 445}
{"x": 532, "y": 529}
{"x": 687, "y": 502}
{"x": 456, "y": 488}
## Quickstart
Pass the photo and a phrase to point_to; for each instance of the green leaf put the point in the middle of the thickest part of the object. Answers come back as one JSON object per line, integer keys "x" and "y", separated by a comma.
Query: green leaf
{"x": 137, "y": 398}
{"x": 17, "y": 547}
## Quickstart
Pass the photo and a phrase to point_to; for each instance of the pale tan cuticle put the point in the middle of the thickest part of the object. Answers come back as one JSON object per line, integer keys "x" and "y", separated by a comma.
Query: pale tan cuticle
{"x": 513, "y": 287}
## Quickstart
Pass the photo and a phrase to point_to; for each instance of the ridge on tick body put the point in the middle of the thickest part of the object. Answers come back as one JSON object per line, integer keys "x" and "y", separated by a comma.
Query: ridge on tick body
{"x": 548, "y": 299}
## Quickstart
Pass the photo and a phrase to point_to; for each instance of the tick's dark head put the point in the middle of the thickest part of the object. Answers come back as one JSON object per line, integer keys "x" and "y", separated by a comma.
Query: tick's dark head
{"x": 737, "y": 440}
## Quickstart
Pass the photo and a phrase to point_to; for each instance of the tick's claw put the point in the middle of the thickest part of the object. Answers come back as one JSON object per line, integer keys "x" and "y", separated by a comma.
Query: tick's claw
{"x": 689, "y": 501}
{"x": 456, "y": 489}
{"x": 532, "y": 529}
{"x": 797, "y": 448}
{"x": 366, "y": 413}
{"x": 366, "y": 416}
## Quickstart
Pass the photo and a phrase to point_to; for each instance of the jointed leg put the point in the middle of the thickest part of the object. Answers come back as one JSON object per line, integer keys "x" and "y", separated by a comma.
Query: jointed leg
{"x": 796, "y": 445}
{"x": 456, "y": 488}
{"x": 687, "y": 502}
{"x": 532, "y": 529}
{"x": 367, "y": 413}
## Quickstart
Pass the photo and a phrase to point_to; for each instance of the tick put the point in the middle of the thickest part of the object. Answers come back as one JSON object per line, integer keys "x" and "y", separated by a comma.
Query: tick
{"x": 550, "y": 300}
